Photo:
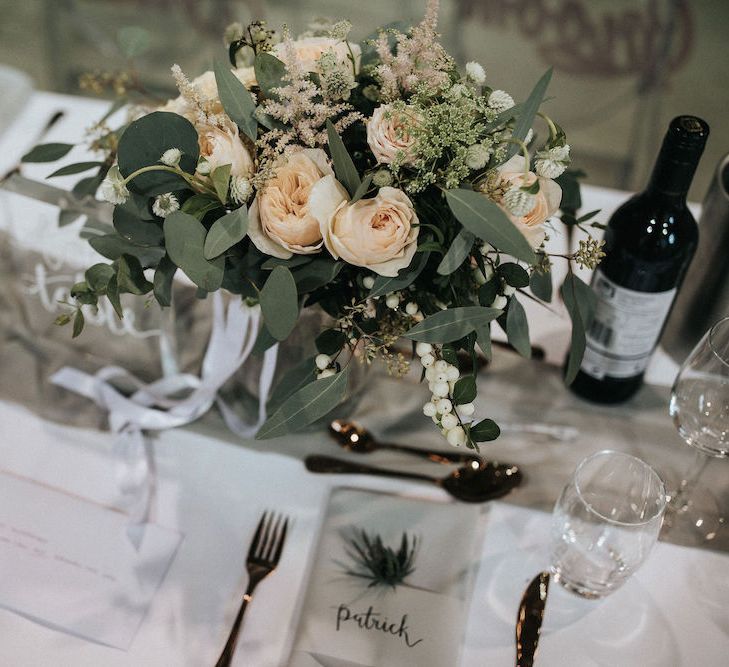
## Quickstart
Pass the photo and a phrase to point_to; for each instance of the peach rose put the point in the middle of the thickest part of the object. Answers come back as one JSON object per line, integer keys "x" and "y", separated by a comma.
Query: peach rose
{"x": 223, "y": 145}
{"x": 388, "y": 135}
{"x": 380, "y": 234}
{"x": 280, "y": 222}
{"x": 309, "y": 49}
{"x": 546, "y": 204}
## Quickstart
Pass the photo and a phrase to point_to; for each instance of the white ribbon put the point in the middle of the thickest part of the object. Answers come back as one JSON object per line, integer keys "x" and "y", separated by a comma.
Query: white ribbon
{"x": 151, "y": 408}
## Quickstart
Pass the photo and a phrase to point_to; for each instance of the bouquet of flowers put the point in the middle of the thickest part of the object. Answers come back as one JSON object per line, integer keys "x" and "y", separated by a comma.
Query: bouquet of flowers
{"x": 376, "y": 181}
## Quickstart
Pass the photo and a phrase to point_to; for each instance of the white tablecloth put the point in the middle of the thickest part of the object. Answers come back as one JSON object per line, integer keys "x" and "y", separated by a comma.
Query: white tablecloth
{"x": 213, "y": 490}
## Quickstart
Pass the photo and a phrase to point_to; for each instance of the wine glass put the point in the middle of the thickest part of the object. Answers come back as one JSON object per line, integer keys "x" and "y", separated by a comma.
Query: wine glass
{"x": 700, "y": 410}
{"x": 605, "y": 523}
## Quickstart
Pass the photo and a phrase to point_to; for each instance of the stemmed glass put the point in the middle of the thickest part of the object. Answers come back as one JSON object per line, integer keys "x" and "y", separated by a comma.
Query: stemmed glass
{"x": 700, "y": 410}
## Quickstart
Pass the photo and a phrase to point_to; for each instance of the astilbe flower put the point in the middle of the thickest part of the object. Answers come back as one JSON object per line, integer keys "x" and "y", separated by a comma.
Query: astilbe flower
{"x": 418, "y": 59}
{"x": 304, "y": 107}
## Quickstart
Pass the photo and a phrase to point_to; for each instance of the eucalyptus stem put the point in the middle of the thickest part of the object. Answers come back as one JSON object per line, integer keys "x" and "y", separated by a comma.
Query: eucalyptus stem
{"x": 550, "y": 123}
{"x": 189, "y": 179}
{"x": 524, "y": 152}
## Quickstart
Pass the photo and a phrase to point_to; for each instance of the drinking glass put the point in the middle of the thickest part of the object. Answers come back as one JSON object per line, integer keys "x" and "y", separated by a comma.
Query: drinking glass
{"x": 605, "y": 523}
{"x": 700, "y": 410}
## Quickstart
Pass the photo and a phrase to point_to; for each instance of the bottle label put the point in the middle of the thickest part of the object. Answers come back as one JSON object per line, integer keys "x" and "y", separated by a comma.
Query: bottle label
{"x": 625, "y": 328}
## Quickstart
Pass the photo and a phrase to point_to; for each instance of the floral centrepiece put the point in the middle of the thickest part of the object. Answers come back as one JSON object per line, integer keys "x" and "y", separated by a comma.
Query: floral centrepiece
{"x": 378, "y": 182}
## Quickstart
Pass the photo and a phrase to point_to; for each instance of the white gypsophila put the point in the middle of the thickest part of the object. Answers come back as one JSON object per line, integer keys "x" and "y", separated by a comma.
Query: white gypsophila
{"x": 241, "y": 189}
{"x": 549, "y": 168}
{"x": 518, "y": 202}
{"x": 477, "y": 156}
{"x": 559, "y": 153}
{"x": 475, "y": 72}
{"x": 171, "y": 157}
{"x": 165, "y": 204}
{"x": 113, "y": 187}
{"x": 500, "y": 100}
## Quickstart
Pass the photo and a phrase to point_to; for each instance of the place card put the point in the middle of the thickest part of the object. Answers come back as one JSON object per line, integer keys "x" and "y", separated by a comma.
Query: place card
{"x": 68, "y": 563}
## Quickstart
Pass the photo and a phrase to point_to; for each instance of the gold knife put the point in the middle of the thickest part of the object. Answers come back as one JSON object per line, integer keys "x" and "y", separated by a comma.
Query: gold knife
{"x": 529, "y": 619}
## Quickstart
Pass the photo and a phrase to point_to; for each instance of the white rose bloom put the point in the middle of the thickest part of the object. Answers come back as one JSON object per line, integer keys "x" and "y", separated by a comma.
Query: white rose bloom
{"x": 388, "y": 135}
{"x": 223, "y": 145}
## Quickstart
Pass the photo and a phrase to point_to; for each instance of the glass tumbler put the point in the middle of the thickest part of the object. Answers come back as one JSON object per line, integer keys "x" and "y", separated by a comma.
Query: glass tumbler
{"x": 605, "y": 523}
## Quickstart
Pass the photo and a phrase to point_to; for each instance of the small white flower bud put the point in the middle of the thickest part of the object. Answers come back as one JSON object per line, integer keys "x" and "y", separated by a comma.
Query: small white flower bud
{"x": 456, "y": 436}
{"x": 171, "y": 157}
{"x": 475, "y": 72}
{"x": 322, "y": 361}
{"x": 444, "y": 406}
{"x": 411, "y": 308}
{"x": 368, "y": 282}
{"x": 382, "y": 178}
{"x": 165, "y": 204}
{"x": 429, "y": 409}
{"x": 421, "y": 349}
{"x": 448, "y": 421}
{"x": 392, "y": 301}
{"x": 499, "y": 302}
{"x": 441, "y": 389}
{"x": 427, "y": 360}
{"x": 477, "y": 156}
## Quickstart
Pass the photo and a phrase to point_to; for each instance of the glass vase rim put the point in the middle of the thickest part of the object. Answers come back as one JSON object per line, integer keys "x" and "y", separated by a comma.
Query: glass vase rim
{"x": 713, "y": 349}
{"x": 660, "y": 507}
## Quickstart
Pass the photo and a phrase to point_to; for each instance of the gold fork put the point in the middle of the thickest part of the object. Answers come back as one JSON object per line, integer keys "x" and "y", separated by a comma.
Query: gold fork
{"x": 263, "y": 556}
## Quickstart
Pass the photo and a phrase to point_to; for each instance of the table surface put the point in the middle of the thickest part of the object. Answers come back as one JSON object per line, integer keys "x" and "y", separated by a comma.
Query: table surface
{"x": 212, "y": 487}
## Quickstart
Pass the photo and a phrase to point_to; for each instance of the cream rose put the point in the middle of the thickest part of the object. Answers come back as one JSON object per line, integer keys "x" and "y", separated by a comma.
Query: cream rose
{"x": 223, "y": 145}
{"x": 546, "y": 203}
{"x": 280, "y": 222}
{"x": 309, "y": 49}
{"x": 388, "y": 135}
{"x": 380, "y": 234}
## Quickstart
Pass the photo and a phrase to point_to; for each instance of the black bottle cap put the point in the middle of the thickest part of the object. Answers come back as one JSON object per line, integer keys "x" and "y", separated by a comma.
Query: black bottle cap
{"x": 679, "y": 155}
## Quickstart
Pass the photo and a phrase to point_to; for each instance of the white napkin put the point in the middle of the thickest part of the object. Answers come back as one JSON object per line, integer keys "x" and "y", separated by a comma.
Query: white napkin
{"x": 345, "y": 623}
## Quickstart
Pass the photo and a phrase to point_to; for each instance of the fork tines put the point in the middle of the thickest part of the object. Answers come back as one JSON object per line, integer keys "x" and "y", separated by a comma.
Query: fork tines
{"x": 269, "y": 538}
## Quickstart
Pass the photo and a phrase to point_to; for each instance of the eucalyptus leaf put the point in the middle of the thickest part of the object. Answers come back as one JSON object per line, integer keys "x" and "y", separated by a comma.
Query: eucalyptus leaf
{"x": 457, "y": 253}
{"x": 529, "y": 109}
{"x": 184, "y": 240}
{"x": 201, "y": 204}
{"x": 451, "y": 324}
{"x": 143, "y": 143}
{"x": 517, "y": 328}
{"x": 269, "y": 73}
{"x": 483, "y": 338}
{"x": 317, "y": 273}
{"x": 330, "y": 341}
{"x": 290, "y": 263}
{"x": 513, "y": 274}
{"x": 485, "y": 430}
{"x": 46, "y": 152}
{"x": 279, "y": 303}
{"x": 98, "y": 276}
{"x": 488, "y": 292}
{"x": 404, "y": 278}
{"x": 292, "y": 380}
{"x": 541, "y": 285}
{"x": 87, "y": 186}
{"x": 130, "y": 227}
{"x": 306, "y": 405}
{"x": 361, "y": 191}
{"x": 343, "y": 166}
{"x": 78, "y": 323}
{"x": 464, "y": 390}
{"x": 580, "y": 302}
{"x": 221, "y": 181}
{"x": 236, "y": 100}
{"x": 75, "y": 168}
{"x": 130, "y": 276}
{"x": 226, "y": 232}
{"x": 112, "y": 293}
{"x": 113, "y": 246}
{"x": 487, "y": 221}
{"x": 163, "y": 276}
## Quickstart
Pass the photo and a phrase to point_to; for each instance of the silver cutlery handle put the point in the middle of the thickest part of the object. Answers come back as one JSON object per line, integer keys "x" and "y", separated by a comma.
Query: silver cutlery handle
{"x": 229, "y": 650}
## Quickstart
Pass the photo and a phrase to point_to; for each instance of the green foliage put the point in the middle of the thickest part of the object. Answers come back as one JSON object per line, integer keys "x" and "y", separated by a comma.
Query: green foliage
{"x": 163, "y": 277}
{"x": 484, "y": 431}
{"x": 226, "y": 232}
{"x": 457, "y": 253}
{"x": 404, "y": 278}
{"x": 513, "y": 274}
{"x": 452, "y": 324}
{"x": 343, "y": 166}
{"x": 143, "y": 143}
{"x": 75, "y": 168}
{"x": 540, "y": 283}
{"x": 221, "y": 181}
{"x": 464, "y": 390}
{"x": 580, "y": 302}
{"x": 279, "y": 303}
{"x": 318, "y": 272}
{"x": 130, "y": 227}
{"x": 529, "y": 109}
{"x": 98, "y": 277}
{"x": 113, "y": 246}
{"x": 483, "y": 338}
{"x": 184, "y": 241}
{"x": 47, "y": 152}
{"x": 269, "y": 73}
{"x": 306, "y": 405}
{"x": 236, "y": 100}
{"x": 487, "y": 221}
{"x": 330, "y": 341}
{"x": 130, "y": 276}
{"x": 517, "y": 328}
{"x": 292, "y": 380}
{"x": 381, "y": 565}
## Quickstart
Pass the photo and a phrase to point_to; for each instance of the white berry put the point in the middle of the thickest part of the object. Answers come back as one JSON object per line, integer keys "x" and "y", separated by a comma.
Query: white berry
{"x": 322, "y": 361}
{"x": 429, "y": 409}
{"x": 452, "y": 373}
{"x": 430, "y": 374}
{"x": 456, "y": 436}
{"x": 392, "y": 301}
{"x": 444, "y": 406}
{"x": 508, "y": 290}
{"x": 411, "y": 308}
{"x": 427, "y": 360}
{"x": 441, "y": 389}
{"x": 466, "y": 410}
{"x": 421, "y": 349}
{"x": 368, "y": 282}
{"x": 441, "y": 366}
{"x": 499, "y": 302}
{"x": 449, "y": 421}
{"x": 440, "y": 377}
{"x": 326, "y": 373}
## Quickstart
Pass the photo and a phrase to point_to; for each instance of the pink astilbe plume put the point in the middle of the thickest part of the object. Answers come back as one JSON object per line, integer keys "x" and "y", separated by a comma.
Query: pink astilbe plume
{"x": 419, "y": 59}
{"x": 300, "y": 109}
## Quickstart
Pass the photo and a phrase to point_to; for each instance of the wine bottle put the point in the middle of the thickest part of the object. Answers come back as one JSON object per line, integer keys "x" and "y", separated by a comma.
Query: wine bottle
{"x": 649, "y": 243}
